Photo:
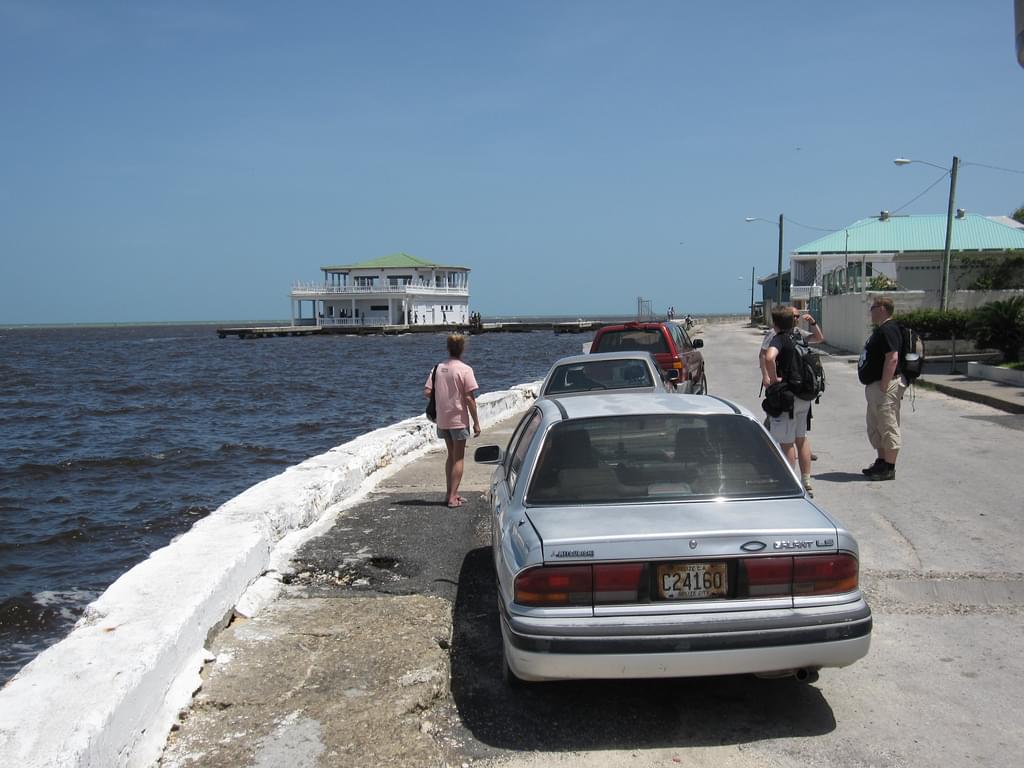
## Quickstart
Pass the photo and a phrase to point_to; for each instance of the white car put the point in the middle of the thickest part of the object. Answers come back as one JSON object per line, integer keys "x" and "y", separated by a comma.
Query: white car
{"x": 605, "y": 372}
{"x": 664, "y": 536}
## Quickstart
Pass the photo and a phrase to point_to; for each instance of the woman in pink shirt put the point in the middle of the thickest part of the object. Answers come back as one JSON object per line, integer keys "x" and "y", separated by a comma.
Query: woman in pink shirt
{"x": 456, "y": 404}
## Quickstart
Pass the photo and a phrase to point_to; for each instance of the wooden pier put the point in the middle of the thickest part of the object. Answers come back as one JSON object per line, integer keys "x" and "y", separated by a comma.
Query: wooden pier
{"x": 272, "y": 331}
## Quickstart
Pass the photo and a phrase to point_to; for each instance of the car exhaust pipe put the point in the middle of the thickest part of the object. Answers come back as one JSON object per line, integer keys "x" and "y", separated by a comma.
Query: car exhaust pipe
{"x": 806, "y": 675}
{"x": 802, "y": 674}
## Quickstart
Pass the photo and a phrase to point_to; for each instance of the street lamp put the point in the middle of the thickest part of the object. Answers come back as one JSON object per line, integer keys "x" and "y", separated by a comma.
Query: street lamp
{"x": 778, "y": 273}
{"x": 944, "y": 290}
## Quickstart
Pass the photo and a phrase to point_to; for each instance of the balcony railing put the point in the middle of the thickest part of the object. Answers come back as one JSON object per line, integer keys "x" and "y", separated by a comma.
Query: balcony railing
{"x": 358, "y": 322}
{"x": 325, "y": 289}
{"x": 804, "y": 292}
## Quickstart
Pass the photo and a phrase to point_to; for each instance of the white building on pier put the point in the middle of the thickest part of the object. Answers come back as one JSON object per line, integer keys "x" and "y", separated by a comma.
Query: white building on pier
{"x": 392, "y": 290}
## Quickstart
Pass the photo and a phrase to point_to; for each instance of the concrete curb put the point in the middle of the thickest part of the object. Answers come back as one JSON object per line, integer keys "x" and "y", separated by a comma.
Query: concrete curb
{"x": 108, "y": 693}
{"x": 975, "y": 396}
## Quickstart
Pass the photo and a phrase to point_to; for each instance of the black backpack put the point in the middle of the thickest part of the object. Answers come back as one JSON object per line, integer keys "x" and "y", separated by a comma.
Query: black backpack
{"x": 911, "y": 359}
{"x": 803, "y": 371}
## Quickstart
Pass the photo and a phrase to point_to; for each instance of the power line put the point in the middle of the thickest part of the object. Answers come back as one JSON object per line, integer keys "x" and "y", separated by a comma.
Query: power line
{"x": 808, "y": 226}
{"x": 994, "y": 167}
{"x": 927, "y": 189}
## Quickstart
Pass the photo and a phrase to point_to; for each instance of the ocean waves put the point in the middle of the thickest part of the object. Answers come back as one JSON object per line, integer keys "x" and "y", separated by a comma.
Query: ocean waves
{"x": 116, "y": 440}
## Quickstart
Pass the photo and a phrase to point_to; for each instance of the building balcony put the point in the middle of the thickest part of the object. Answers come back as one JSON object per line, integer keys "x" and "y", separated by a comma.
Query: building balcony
{"x": 327, "y": 291}
{"x": 804, "y": 292}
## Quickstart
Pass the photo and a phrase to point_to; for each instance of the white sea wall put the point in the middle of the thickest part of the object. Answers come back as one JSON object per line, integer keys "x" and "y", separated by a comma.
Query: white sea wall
{"x": 108, "y": 694}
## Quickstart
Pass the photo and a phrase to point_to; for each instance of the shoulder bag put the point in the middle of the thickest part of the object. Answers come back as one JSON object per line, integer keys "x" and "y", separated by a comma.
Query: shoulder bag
{"x": 431, "y": 409}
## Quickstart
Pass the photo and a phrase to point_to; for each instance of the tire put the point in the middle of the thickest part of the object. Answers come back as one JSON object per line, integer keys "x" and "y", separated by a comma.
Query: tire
{"x": 703, "y": 388}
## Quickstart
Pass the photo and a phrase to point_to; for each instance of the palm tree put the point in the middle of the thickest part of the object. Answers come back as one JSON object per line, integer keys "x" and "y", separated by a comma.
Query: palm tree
{"x": 1000, "y": 325}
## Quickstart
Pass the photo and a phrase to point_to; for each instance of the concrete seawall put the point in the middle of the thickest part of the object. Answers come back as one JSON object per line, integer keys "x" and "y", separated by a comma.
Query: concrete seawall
{"x": 108, "y": 693}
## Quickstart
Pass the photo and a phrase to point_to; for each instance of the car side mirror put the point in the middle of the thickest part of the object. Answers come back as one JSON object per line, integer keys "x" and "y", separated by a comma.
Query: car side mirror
{"x": 698, "y": 343}
{"x": 487, "y": 454}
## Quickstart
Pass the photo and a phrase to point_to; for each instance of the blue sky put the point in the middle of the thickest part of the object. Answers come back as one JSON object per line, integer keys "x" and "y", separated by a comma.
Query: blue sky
{"x": 190, "y": 160}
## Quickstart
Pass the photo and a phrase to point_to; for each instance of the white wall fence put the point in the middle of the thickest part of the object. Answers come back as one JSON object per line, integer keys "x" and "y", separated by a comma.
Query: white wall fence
{"x": 107, "y": 695}
{"x": 847, "y": 325}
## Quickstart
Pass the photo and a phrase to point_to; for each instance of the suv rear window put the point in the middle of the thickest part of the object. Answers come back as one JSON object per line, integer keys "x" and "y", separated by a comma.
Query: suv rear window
{"x": 632, "y": 340}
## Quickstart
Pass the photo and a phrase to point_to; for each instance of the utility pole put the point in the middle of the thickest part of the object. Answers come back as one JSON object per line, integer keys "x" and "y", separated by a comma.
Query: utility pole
{"x": 778, "y": 277}
{"x": 944, "y": 290}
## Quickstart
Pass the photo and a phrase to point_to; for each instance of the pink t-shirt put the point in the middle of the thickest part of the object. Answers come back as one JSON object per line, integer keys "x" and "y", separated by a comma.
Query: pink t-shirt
{"x": 454, "y": 380}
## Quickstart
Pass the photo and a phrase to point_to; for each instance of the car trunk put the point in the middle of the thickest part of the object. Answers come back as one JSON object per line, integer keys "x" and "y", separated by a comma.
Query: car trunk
{"x": 691, "y": 557}
{"x": 644, "y": 532}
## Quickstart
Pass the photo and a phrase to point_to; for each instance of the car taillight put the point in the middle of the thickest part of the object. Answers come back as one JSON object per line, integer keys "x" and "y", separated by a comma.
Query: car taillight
{"x": 765, "y": 577}
{"x": 824, "y": 574}
{"x": 573, "y": 585}
{"x": 619, "y": 583}
{"x": 800, "y": 575}
{"x": 555, "y": 586}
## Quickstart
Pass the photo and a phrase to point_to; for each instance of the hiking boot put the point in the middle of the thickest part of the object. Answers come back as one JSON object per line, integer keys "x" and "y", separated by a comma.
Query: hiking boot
{"x": 882, "y": 473}
{"x": 879, "y": 464}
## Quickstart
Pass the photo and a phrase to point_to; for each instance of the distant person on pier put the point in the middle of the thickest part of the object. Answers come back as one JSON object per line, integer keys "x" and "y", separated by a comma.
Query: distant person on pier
{"x": 456, "y": 392}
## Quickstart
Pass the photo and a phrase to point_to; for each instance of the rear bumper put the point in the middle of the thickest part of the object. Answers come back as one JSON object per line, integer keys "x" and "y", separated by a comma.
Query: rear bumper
{"x": 832, "y": 637}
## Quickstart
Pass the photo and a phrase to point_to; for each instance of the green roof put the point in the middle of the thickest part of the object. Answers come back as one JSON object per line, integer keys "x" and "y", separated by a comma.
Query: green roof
{"x": 927, "y": 233}
{"x": 395, "y": 260}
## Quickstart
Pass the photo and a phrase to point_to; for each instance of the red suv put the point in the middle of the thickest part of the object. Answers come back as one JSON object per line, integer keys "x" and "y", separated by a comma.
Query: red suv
{"x": 678, "y": 355}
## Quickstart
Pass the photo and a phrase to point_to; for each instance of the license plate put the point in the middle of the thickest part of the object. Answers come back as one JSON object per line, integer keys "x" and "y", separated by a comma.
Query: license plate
{"x": 693, "y": 581}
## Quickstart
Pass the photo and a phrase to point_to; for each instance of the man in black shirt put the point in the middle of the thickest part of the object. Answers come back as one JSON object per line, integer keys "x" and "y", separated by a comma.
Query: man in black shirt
{"x": 883, "y": 389}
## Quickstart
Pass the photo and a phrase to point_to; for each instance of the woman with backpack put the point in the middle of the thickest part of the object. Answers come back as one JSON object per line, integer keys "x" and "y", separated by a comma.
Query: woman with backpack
{"x": 780, "y": 366}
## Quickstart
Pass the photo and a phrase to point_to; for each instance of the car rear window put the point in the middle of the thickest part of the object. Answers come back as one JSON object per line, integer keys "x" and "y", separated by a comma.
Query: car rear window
{"x": 599, "y": 375}
{"x": 663, "y": 457}
{"x": 632, "y": 340}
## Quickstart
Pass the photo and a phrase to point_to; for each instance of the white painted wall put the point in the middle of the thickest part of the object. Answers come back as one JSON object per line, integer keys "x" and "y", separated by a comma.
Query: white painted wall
{"x": 108, "y": 693}
{"x": 845, "y": 318}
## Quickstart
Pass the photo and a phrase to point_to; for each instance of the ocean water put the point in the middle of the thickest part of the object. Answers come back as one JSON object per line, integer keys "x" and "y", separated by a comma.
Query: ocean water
{"x": 114, "y": 440}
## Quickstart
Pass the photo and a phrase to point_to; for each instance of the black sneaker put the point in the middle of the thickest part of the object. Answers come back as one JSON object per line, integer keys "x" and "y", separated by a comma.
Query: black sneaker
{"x": 879, "y": 464}
{"x": 882, "y": 473}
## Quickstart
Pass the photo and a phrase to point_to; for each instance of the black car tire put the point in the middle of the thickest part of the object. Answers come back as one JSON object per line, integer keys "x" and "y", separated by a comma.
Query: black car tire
{"x": 703, "y": 388}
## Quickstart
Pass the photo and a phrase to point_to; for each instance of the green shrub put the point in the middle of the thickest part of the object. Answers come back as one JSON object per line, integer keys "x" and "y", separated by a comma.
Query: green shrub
{"x": 936, "y": 324}
{"x": 1000, "y": 325}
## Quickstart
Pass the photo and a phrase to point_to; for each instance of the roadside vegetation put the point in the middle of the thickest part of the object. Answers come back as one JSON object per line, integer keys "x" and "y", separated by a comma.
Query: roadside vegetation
{"x": 997, "y": 325}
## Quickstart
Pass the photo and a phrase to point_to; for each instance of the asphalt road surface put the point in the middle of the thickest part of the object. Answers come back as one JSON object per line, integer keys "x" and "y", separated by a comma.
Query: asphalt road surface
{"x": 370, "y": 604}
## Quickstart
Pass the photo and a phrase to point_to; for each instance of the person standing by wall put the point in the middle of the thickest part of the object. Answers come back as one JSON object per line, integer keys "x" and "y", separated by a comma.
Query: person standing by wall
{"x": 883, "y": 389}
{"x": 456, "y": 394}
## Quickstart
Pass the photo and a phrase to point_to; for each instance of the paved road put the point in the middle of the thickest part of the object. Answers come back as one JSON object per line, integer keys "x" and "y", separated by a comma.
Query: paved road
{"x": 352, "y": 665}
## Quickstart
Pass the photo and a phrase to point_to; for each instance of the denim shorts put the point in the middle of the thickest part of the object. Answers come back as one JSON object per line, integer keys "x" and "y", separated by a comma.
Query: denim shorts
{"x": 460, "y": 433}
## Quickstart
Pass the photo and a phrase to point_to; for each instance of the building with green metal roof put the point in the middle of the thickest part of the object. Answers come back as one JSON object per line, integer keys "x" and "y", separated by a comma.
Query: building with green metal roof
{"x": 391, "y": 261}
{"x": 906, "y": 249}
{"x": 398, "y": 289}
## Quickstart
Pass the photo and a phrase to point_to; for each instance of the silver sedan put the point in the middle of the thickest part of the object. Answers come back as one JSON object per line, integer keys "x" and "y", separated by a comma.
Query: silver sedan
{"x": 664, "y": 536}
{"x": 604, "y": 372}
